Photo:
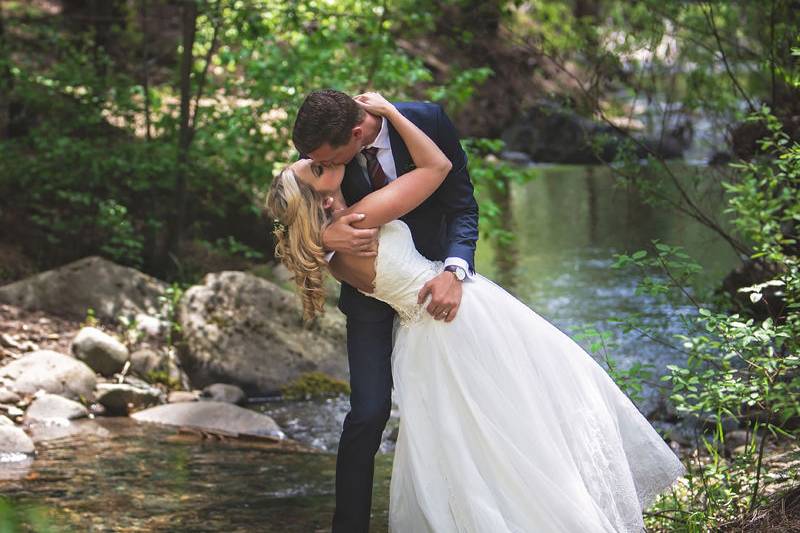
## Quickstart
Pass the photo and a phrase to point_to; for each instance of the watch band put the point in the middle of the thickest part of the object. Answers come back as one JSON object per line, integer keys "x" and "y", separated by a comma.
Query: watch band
{"x": 457, "y": 271}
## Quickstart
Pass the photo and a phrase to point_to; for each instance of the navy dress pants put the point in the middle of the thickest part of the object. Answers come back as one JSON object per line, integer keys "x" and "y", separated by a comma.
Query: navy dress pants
{"x": 369, "y": 350}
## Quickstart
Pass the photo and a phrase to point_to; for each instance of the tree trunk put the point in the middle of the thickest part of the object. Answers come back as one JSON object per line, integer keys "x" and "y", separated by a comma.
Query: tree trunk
{"x": 175, "y": 223}
{"x": 6, "y": 80}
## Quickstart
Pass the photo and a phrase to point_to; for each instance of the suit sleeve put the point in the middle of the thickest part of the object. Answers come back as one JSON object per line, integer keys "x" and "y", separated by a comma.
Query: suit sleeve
{"x": 457, "y": 195}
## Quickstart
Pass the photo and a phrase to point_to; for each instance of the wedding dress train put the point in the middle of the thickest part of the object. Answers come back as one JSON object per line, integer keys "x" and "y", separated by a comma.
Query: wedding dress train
{"x": 507, "y": 424}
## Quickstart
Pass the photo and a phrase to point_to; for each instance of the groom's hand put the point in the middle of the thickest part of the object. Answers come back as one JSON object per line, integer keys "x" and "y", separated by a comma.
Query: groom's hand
{"x": 445, "y": 291}
{"x": 340, "y": 236}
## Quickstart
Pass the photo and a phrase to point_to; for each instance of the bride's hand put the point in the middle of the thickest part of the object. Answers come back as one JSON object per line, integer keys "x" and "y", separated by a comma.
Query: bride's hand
{"x": 374, "y": 103}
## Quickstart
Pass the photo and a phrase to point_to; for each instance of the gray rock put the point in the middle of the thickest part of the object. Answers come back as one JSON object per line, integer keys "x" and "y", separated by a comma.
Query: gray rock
{"x": 151, "y": 326}
{"x": 119, "y": 399}
{"x": 136, "y": 382}
{"x": 14, "y": 441}
{"x": 8, "y": 396}
{"x": 551, "y": 133}
{"x": 82, "y": 427}
{"x": 737, "y": 438}
{"x": 99, "y": 350}
{"x": 147, "y": 360}
{"x": 109, "y": 289}
{"x": 10, "y": 342}
{"x": 54, "y": 372}
{"x": 281, "y": 273}
{"x": 5, "y": 421}
{"x": 224, "y": 392}
{"x": 182, "y": 396}
{"x": 51, "y": 408}
{"x": 13, "y": 411}
{"x": 213, "y": 416}
{"x": 241, "y": 329}
{"x": 175, "y": 373}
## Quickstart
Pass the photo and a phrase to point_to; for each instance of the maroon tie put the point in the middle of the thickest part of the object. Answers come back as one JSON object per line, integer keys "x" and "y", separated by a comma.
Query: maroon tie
{"x": 376, "y": 174}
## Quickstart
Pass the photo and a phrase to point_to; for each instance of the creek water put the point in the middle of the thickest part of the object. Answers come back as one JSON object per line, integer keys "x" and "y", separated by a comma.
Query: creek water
{"x": 568, "y": 223}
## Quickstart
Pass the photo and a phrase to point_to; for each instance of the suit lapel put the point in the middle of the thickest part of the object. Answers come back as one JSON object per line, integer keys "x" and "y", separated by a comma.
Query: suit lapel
{"x": 354, "y": 185}
{"x": 402, "y": 158}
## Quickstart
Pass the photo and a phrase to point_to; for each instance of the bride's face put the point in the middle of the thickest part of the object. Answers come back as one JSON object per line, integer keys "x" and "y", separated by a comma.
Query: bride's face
{"x": 326, "y": 180}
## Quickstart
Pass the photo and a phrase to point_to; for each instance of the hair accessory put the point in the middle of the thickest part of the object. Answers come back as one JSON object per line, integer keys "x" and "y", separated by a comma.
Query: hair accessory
{"x": 280, "y": 226}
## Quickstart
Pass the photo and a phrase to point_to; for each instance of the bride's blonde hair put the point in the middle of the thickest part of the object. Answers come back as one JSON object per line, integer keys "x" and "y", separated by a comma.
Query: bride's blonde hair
{"x": 299, "y": 222}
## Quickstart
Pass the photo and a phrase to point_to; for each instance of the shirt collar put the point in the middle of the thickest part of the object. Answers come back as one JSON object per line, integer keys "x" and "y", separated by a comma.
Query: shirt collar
{"x": 382, "y": 140}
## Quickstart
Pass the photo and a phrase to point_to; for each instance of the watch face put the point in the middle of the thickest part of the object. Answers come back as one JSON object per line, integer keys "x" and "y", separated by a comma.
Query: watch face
{"x": 459, "y": 272}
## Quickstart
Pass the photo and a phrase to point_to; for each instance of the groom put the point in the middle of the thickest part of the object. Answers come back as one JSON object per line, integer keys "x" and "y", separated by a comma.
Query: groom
{"x": 331, "y": 128}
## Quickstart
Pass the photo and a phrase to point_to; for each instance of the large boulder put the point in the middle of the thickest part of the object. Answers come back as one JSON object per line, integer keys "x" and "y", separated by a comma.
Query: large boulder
{"x": 51, "y": 371}
{"x": 52, "y": 408}
{"x": 551, "y": 133}
{"x": 219, "y": 416}
{"x": 241, "y": 329}
{"x": 99, "y": 350}
{"x": 109, "y": 289}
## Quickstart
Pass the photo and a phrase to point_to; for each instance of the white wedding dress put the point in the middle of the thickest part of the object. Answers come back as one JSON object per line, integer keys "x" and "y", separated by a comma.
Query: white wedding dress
{"x": 506, "y": 424}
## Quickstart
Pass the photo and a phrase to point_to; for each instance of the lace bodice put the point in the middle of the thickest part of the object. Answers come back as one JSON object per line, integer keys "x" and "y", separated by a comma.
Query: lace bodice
{"x": 401, "y": 271}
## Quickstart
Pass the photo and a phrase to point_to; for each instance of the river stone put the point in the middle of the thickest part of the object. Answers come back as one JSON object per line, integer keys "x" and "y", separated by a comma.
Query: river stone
{"x": 99, "y": 350}
{"x": 147, "y": 360}
{"x": 241, "y": 329}
{"x": 81, "y": 427}
{"x": 151, "y": 326}
{"x": 121, "y": 398}
{"x": 224, "y": 392}
{"x": 111, "y": 290}
{"x": 213, "y": 416}
{"x": 54, "y": 372}
{"x": 8, "y": 396}
{"x": 49, "y": 408}
{"x": 13, "y": 440}
{"x": 12, "y": 410}
{"x": 182, "y": 396}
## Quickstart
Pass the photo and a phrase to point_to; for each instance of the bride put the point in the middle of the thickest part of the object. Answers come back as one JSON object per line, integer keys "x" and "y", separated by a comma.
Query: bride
{"x": 507, "y": 424}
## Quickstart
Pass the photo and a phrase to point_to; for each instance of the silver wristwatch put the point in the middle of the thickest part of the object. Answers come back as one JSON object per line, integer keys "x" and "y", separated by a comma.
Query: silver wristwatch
{"x": 459, "y": 272}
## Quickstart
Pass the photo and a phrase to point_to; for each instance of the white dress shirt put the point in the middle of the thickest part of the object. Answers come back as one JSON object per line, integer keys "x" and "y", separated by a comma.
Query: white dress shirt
{"x": 386, "y": 159}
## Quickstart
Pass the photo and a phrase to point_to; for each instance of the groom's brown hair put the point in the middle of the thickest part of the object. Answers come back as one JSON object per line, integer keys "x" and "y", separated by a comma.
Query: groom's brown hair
{"x": 326, "y": 116}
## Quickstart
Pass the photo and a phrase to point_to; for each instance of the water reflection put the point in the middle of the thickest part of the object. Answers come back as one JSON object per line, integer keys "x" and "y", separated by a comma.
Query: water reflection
{"x": 318, "y": 423}
{"x": 142, "y": 478}
{"x": 568, "y": 224}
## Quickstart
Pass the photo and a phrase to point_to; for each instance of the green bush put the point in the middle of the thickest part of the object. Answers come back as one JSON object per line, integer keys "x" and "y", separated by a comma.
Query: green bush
{"x": 738, "y": 370}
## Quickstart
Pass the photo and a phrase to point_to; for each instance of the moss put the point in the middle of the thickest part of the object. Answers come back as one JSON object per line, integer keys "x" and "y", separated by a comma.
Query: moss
{"x": 314, "y": 385}
{"x": 162, "y": 376}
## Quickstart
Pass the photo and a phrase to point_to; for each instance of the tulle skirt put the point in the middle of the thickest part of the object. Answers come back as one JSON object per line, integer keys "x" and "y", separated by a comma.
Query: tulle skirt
{"x": 508, "y": 425}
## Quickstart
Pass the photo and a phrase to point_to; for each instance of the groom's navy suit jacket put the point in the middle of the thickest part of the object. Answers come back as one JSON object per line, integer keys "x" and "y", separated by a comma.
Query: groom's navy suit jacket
{"x": 444, "y": 225}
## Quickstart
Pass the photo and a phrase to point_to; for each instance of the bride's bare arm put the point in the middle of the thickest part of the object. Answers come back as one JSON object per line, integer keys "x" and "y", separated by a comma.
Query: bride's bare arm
{"x": 412, "y": 188}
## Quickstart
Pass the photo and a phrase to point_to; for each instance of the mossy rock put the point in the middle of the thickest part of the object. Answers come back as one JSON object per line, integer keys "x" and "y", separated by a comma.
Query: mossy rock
{"x": 315, "y": 385}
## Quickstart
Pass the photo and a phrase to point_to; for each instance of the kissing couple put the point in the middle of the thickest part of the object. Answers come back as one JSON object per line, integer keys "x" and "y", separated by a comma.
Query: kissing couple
{"x": 506, "y": 423}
